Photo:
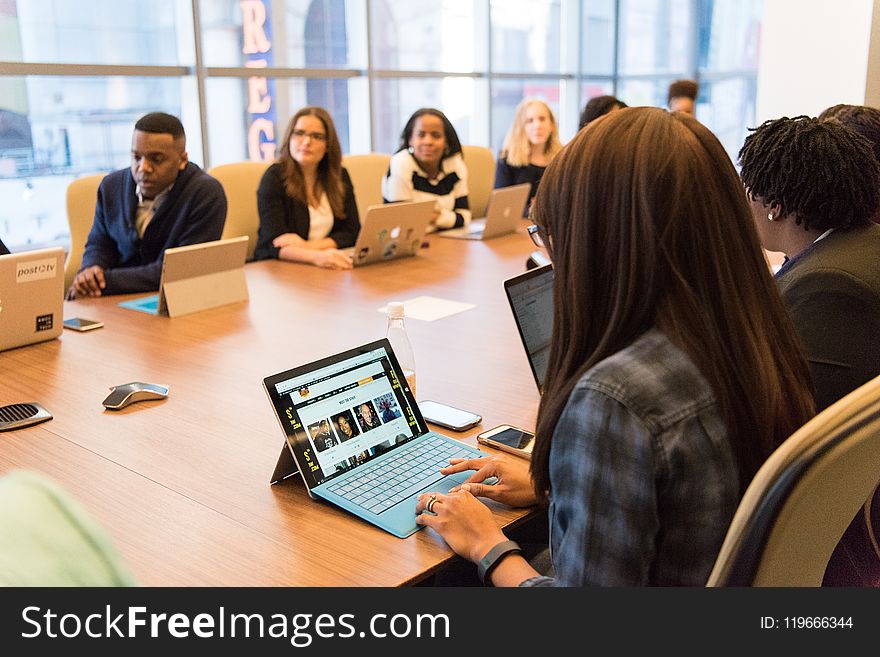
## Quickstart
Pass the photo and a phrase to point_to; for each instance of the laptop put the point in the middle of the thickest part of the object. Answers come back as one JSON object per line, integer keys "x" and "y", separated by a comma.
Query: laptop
{"x": 198, "y": 277}
{"x": 530, "y": 295}
{"x": 391, "y": 231}
{"x": 503, "y": 215}
{"x": 31, "y": 296}
{"x": 357, "y": 438}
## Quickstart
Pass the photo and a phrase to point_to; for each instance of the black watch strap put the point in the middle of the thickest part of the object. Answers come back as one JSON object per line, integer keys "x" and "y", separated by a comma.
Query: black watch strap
{"x": 493, "y": 558}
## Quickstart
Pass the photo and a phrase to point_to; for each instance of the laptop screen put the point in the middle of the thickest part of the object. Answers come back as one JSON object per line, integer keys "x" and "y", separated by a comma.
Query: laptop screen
{"x": 531, "y": 299}
{"x": 340, "y": 412}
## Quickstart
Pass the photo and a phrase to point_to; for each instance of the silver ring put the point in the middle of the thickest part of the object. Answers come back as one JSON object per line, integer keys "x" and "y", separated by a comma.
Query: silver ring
{"x": 429, "y": 507}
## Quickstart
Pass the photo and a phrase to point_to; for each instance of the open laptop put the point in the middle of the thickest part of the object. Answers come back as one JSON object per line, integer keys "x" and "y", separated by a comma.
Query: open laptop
{"x": 503, "y": 215}
{"x": 198, "y": 277}
{"x": 31, "y": 296}
{"x": 355, "y": 434}
{"x": 530, "y": 295}
{"x": 391, "y": 231}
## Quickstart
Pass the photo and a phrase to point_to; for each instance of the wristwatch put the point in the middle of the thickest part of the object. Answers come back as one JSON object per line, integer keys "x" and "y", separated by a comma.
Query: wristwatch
{"x": 493, "y": 558}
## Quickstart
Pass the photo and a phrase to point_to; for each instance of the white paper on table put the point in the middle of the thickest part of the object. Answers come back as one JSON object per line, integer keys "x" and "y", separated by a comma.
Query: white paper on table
{"x": 428, "y": 308}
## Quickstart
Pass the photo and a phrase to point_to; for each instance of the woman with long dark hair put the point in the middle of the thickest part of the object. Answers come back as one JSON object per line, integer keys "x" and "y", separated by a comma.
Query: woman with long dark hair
{"x": 674, "y": 370}
{"x": 306, "y": 199}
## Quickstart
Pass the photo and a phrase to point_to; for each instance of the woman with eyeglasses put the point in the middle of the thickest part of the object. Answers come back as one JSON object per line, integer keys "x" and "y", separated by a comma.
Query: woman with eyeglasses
{"x": 674, "y": 370}
{"x": 429, "y": 166}
{"x": 306, "y": 198}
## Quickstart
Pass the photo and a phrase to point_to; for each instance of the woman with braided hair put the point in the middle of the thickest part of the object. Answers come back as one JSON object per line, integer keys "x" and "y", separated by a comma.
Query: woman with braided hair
{"x": 814, "y": 186}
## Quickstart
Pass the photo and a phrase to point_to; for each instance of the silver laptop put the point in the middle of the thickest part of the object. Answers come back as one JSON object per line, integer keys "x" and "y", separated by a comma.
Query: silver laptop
{"x": 31, "y": 296}
{"x": 391, "y": 231}
{"x": 530, "y": 295}
{"x": 503, "y": 215}
{"x": 355, "y": 434}
{"x": 198, "y": 277}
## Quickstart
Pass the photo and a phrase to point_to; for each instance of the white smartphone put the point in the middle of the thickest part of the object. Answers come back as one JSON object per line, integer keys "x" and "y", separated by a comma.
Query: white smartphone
{"x": 80, "y": 324}
{"x": 447, "y": 416}
{"x": 513, "y": 440}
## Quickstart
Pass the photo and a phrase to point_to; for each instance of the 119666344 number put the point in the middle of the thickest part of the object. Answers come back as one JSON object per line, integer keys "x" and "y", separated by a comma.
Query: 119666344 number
{"x": 807, "y": 622}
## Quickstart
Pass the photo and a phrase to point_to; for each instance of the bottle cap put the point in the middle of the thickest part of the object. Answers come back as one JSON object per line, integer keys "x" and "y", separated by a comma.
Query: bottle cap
{"x": 395, "y": 309}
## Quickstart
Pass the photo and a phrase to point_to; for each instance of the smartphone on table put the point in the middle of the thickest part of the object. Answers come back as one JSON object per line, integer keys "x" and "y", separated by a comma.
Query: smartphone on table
{"x": 80, "y": 324}
{"x": 513, "y": 440}
{"x": 447, "y": 416}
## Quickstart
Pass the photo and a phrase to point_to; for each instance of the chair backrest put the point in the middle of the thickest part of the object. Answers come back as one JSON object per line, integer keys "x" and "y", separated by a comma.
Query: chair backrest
{"x": 366, "y": 173}
{"x": 480, "y": 163}
{"x": 240, "y": 181}
{"x": 82, "y": 193}
{"x": 804, "y": 497}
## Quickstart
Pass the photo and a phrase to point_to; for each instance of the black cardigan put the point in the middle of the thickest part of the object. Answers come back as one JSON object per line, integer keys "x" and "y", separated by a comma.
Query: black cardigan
{"x": 279, "y": 214}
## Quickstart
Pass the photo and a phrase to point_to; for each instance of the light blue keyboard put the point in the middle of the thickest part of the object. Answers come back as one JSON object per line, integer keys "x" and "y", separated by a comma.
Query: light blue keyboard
{"x": 412, "y": 468}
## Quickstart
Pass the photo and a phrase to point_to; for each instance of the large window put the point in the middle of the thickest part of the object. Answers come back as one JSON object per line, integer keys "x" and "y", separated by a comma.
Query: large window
{"x": 75, "y": 76}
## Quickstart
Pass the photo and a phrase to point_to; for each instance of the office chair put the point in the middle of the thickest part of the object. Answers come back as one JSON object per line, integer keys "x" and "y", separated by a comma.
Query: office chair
{"x": 240, "y": 181}
{"x": 804, "y": 497}
{"x": 82, "y": 193}
{"x": 366, "y": 173}
{"x": 480, "y": 163}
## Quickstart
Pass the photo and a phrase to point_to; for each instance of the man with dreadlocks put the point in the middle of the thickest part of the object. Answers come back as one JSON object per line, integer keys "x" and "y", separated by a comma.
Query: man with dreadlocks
{"x": 814, "y": 186}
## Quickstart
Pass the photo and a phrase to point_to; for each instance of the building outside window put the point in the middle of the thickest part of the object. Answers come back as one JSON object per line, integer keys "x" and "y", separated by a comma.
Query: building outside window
{"x": 74, "y": 77}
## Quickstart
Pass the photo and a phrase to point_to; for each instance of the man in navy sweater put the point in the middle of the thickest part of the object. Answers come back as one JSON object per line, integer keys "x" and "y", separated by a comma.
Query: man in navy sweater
{"x": 162, "y": 201}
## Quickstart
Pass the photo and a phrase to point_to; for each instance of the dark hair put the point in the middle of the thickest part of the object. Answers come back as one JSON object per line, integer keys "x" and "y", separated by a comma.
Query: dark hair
{"x": 821, "y": 172}
{"x": 686, "y": 88}
{"x": 160, "y": 122}
{"x": 453, "y": 145}
{"x": 634, "y": 247}
{"x": 599, "y": 106}
{"x": 329, "y": 168}
{"x": 862, "y": 119}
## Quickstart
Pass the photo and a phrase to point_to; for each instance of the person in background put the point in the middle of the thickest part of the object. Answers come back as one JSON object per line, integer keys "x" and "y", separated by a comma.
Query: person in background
{"x": 323, "y": 437}
{"x": 429, "y": 165}
{"x": 345, "y": 426}
{"x": 162, "y": 201}
{"x": 367, "y": 416}
{"x": 530, "y": 144}
{"x": 862, "y": 119}
{"x": 306, "y": 198}
{"x": 599, "y": 106}
{"x": 682, "y": 96}
{"x": 814, "y": 186}
{"x": 661, "y": 403}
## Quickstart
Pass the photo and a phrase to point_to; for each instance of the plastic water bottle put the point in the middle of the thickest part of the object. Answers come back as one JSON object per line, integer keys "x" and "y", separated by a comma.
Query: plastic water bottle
{"x": 400, "y": 343}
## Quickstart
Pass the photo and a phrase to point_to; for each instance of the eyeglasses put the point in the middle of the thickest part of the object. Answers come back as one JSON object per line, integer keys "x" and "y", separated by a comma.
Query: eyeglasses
{"x": 537, "y": 235}
{"x": 314, "y": 136}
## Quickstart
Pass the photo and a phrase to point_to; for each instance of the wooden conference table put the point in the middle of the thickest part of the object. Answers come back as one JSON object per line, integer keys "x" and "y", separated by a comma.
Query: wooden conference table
{"x": 182, "y": 485}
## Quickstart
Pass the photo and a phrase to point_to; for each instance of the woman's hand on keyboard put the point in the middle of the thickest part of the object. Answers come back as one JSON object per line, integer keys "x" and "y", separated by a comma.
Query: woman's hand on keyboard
{"x": 513, "y": 485}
